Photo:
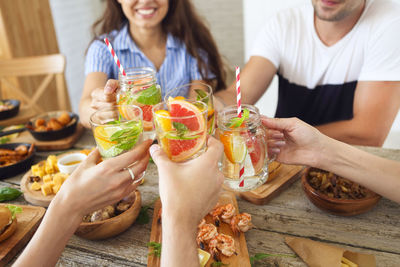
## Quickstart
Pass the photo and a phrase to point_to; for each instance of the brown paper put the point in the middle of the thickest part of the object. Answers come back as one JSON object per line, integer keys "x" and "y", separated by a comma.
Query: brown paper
{"x": 317, "y": 254}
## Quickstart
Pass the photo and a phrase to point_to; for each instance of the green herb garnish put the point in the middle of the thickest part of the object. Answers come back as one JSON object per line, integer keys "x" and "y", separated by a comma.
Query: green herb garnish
{"x": 8, "y": 193}
{"x": 143, "y": 217}
{"x": 14, "y": 210}
{"x": 149, "y": 96}
{"x": 236, "y": 122}
{"x": 156, "y": 248}
{"x": 260, "y": 256}
{"x": 127, "y": 137}
{"x": 202, "y": 96}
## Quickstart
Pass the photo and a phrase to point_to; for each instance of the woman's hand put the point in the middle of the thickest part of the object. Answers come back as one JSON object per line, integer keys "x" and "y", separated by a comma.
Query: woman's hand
{"x": 102, "y": 98}
{"x": 189, "y": 190}
{"x": 293, "y": 141}
{"x": 92, "y": 187}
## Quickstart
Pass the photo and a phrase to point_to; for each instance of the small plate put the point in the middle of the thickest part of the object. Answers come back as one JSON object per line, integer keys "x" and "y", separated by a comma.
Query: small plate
{"x": 54, "y": 135}
{"x": 19, "y": 167}
{"x": 6, "y": 114}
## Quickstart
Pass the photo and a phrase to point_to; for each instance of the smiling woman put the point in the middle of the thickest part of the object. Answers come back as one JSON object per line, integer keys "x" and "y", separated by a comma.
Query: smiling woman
{"x": 156, "y": 34}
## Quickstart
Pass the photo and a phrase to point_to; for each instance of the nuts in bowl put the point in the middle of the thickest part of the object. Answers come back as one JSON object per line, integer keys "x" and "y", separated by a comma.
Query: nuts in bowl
{"x": 336, "y": 194}
{"x": 111, "y": 220}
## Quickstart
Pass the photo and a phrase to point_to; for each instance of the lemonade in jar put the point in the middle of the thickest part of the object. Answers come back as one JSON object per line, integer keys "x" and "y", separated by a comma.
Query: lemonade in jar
{"x": 245, "y": 160}
{"x": 139, "y": 87}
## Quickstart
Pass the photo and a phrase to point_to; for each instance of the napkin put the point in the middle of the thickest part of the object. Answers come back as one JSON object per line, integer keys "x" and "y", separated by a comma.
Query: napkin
{"x": 317, "y": 254}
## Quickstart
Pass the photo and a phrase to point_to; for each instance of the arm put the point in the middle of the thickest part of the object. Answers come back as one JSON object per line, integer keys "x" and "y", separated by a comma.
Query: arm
{"x": 300, "y": 143}
{"x": 104, "y": 184}
{"x": 254, "y": 81}
{"x": 198, "y": 182}
{"x": 375, "y": 107}
{"x": 94, "y": 96}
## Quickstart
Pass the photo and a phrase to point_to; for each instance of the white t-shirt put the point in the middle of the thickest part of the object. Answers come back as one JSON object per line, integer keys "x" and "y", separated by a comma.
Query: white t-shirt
{"x": 317, "y": 82}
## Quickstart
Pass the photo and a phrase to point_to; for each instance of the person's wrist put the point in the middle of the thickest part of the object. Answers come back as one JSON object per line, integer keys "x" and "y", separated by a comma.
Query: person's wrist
{"x": 65, "y": 205}
{"x": 179, "y": 216}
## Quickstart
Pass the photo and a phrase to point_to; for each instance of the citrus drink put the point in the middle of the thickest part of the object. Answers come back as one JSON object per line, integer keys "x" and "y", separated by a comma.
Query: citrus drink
{"x": 197, "y": 92}
{"x": 181, "y": 128}
{"x": 244, "y": 163}
{"x": 115, "y": 134}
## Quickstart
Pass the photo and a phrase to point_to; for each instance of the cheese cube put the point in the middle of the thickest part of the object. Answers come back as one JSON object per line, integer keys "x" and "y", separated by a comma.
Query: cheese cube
{"x": 38, "y": 170}
{"x": 46, "y": 189}
{"x": 35, "y": 186}
{"x": 56, "y": 188}
{"x": 48, "y": 178}
{"x": 59, "y": 178}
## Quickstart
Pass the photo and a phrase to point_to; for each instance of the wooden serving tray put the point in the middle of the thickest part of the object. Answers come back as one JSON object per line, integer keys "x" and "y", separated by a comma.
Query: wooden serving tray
{"x": 27, "y": 223}
{"x": 61, "y": 144}
{"x": 285, "y": 176}
{"x": 240, "y": 260}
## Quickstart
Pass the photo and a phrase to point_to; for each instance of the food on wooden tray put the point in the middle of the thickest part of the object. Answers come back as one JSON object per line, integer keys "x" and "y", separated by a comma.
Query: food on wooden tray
{"x": 53, "y": 124}
{"x": 208, "y": 236}
{"x": 109, "y": 211}
{"x": 12, "y": 156}
{"x": 335, "y": 186}
{"x": 4, "y": 105}
{"x": 8, "y": 221}
{"x": 46, "y": 177}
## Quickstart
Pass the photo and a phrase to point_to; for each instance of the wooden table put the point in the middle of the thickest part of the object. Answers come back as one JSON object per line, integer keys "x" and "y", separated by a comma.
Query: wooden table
{"x": 376, "y": 232}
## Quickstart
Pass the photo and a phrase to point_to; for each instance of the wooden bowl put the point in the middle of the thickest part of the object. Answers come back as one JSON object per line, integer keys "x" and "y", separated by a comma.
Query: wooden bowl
{"x": 113, "y": 226}
{"x": 343, "y": 207}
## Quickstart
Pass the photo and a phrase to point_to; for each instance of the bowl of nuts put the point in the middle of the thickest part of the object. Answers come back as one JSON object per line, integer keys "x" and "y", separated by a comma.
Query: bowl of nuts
{"x": 111, "y": 220}
{"x": 337, "y": 195}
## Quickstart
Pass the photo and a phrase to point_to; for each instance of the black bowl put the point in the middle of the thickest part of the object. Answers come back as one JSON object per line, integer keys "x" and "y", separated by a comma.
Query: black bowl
{"x": 20, "y": 166}
{"x": 6, "y": 114}
{"x": 57, "y": 134}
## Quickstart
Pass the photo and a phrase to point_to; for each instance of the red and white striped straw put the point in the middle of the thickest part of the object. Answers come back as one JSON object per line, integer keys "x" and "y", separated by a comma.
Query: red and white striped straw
{"x": 238, "y": 94}
{"x": 121, "y": 69}
{"x": 239, "y": 114}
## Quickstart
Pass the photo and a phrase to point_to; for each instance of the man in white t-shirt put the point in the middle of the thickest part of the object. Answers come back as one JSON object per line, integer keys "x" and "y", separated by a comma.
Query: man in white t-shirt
{"x": 338, "y": 64}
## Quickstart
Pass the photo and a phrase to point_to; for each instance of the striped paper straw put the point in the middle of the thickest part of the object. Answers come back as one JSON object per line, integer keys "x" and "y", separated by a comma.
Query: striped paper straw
{"x": 238, "y": 94}
{"x": 239, "y": 114}
{"x": 121, "y": 69}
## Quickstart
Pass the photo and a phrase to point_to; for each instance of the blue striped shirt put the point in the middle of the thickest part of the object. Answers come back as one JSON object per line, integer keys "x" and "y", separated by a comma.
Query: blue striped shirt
{"x": 178, "y": 68}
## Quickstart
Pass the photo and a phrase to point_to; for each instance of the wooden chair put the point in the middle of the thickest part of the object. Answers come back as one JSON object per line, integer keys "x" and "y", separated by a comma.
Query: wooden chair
{"x": 50, "y": 67}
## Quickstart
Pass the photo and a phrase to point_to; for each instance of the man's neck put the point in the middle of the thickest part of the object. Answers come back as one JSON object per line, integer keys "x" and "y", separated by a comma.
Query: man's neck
{"x": 331, "y": 32}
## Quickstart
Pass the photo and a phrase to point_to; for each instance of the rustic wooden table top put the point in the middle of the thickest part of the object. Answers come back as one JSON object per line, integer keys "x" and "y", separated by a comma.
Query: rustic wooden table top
{"x": 375, "y": 232}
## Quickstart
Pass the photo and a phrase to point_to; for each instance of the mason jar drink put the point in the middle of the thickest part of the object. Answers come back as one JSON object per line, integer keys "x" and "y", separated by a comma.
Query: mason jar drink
{"x": 197, "y": 92}
{"x": 139, "y": 87}
{"x": 245, "y": 160}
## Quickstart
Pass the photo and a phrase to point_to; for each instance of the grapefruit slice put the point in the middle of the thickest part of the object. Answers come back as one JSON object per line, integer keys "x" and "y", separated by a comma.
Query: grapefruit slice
{"x": 183, "y": 112}
{"x": 147, "y": 117}
{"x": 256, "y": 149}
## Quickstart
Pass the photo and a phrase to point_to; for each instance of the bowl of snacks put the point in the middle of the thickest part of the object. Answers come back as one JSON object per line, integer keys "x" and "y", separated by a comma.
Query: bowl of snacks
{"x": 8, "y": 108}
{"x": 53, "y": 125}
{"x": 111, "y": 220}
{"x": 15, "y": 158}
{"x": 337, "y": 195}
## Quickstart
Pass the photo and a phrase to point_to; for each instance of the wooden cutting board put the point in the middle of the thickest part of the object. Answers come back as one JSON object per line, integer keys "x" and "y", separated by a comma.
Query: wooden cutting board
{"x": 27, "y": 223}
{"x": 240, "y": 260}
{"x": 61, "y": 144}
{"x": 285, "y": 176}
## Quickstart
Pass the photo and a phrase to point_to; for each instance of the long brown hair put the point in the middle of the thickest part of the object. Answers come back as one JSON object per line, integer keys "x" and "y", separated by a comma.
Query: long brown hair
{"x": 179, "y": 21}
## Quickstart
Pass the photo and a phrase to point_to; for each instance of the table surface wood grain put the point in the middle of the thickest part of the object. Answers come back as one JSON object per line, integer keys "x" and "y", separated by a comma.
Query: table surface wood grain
{"x": 376, "y": 232}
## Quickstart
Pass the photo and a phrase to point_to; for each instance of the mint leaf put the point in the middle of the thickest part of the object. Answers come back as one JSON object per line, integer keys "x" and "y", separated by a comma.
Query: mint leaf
{"x": 156, "y": 248}
{"x": 202, "y": 96}
{"x": 181, "y": 128}
{"x": 182, "y": 137}
{"x": 237, "y": 122}
{"x": 149, "y": 96}
{"x": 14, "y": 210}
{"x": 218, "y": 263}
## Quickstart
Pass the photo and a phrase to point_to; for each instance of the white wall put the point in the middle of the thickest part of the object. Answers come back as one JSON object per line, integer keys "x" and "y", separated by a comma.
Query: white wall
{"x": 255, "y": 12}
{"x": 72, "y": 22}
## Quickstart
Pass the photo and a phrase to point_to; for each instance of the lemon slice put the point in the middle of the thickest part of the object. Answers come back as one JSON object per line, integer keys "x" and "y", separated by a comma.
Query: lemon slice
{"x": 204, "y": 256}
{"x": 239, "y": 148}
